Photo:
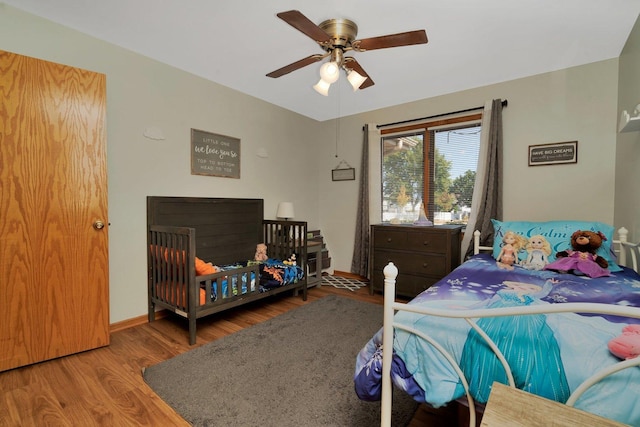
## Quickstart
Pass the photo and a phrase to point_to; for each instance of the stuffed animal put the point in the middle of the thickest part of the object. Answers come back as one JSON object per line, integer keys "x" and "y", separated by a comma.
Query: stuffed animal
{"x": 627, "y": 345}
{"x": 538, "y": 251}
{"x": 291, "y": 260}
{"x": 512, "y": 244}
{"x": 582, "y": 258}
{"x": 261, "y": 252}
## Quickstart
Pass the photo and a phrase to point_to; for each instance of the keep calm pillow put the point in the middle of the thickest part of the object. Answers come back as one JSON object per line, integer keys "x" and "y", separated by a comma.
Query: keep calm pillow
{"x": 558, "y": 234}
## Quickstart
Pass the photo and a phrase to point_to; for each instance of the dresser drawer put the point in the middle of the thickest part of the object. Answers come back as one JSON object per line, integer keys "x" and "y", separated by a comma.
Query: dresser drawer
{"x": 424, "y": 241}
{"x": 411, "y": 262}
{"x": 390, "y": 239}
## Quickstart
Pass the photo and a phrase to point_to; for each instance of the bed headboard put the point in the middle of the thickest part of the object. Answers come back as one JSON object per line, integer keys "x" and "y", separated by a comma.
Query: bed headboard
{"x": 227, "y": 230}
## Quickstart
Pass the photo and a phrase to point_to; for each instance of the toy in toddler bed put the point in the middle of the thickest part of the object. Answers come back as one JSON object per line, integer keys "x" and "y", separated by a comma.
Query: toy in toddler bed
{"x": 261, "y": 252}
{"x": 438, "y": 347}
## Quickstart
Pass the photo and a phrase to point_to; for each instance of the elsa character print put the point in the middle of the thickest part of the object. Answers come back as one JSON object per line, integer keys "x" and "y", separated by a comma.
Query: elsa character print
{"x": 538, "y": 249}
{"x": 527, "y": 342}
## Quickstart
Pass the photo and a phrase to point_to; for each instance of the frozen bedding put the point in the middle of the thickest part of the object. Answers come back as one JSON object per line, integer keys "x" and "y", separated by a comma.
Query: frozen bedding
{"x": 550, "y": 354}
{"x": 273, "y": 273}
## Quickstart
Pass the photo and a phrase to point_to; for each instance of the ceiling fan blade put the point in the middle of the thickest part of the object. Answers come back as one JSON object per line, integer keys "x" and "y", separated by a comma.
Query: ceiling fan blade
{"x": 303, "y": 24}
{"x": 295, "y": 66}
{"x": 391, "y": 40}
{"x": 350, "y": 62}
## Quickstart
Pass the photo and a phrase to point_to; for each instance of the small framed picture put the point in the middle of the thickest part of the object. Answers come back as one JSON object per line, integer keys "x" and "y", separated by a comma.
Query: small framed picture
{"x": 553, "y": 154}
{"x": 347, "y": 174}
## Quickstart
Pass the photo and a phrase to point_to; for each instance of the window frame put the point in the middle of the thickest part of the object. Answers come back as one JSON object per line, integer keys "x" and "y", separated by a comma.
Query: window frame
{"x": 427, "y": 129}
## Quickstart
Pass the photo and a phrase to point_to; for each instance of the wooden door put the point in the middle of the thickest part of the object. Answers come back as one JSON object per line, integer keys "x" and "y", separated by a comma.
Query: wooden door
{"x": 53, "y": 198}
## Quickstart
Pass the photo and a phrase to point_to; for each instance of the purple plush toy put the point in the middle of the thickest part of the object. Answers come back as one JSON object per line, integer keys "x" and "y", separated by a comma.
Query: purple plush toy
{"x": 582, "y": 259}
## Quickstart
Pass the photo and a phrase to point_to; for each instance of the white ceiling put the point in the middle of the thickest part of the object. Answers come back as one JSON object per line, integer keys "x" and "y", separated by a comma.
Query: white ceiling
{"x": 472, "y": 43}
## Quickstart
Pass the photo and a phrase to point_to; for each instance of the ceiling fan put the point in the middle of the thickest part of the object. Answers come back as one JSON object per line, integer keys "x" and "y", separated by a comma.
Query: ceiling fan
{"x": 335, "y": 37}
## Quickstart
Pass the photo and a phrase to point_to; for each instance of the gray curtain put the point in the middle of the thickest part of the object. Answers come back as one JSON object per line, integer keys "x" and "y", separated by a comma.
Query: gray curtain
{"x": 360, "y": 260}
{"x": 487, "y": 198}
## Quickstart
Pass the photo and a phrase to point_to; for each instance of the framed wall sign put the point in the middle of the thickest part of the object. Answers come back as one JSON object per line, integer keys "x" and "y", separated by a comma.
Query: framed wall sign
{"x": 214, "y": 155}
{"x": 553, "y": 154}
{"x": 347, "y": 174}
{"x": 343, "y": 172}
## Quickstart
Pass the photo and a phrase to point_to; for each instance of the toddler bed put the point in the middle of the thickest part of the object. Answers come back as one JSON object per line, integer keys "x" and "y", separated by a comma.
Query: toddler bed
{"x": 223, "y": 233}
{"x": 546, "y": 332}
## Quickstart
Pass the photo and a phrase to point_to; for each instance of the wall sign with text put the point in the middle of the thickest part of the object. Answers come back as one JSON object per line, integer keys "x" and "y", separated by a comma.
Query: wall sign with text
{"x": 553, "y": 154}
{"x": 214, "y": 155}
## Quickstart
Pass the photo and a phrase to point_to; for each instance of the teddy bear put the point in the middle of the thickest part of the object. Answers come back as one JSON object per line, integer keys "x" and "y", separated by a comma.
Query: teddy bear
{"x": 261, "y": 252}
{"x": 627, "y": 345}
{"x": 582, "y": 259}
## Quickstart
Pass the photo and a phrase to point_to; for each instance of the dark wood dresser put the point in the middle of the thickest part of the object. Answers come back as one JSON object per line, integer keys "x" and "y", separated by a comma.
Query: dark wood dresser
{"x": 423, "y": 255}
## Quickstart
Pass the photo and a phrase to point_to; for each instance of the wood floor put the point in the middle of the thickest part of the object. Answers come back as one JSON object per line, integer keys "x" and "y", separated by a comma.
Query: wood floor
{"x": 105, "y": 386}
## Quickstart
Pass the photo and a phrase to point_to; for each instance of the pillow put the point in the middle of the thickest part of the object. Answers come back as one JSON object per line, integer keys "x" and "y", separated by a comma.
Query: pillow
{"x": 558, "y": 234}
{"x": 203, "y": 268}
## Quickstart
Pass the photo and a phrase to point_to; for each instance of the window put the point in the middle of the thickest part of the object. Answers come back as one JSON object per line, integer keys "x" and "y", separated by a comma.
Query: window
{"x": 432, "y": 164}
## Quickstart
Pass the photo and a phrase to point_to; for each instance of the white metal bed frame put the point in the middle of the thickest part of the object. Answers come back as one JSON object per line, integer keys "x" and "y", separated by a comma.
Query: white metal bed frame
{"x": 390, "y": 306}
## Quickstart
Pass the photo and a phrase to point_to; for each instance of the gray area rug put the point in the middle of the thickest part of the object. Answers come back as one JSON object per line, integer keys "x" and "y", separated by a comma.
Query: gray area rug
{"x": 293, "y": 370}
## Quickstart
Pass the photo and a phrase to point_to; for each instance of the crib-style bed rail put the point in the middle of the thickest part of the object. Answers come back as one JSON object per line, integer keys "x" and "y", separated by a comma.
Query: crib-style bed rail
{"x": 284, "y": 238}
{"x": 169, "y": 271}
{"x": 471, "y": 316}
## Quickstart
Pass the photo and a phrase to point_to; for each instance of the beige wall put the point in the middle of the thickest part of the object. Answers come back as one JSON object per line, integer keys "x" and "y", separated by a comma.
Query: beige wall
{"x": 575, "y": 104}
{"x": 143, "y": 93}
{"x": 627, "y": 195}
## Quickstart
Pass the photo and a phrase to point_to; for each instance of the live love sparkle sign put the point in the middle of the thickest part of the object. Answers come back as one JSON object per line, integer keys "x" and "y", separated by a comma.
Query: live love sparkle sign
{"x": 214, "y": 155}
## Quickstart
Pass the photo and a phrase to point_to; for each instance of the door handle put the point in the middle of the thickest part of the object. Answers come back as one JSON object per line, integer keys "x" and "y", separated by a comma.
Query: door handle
{"x": 98, "y": 225}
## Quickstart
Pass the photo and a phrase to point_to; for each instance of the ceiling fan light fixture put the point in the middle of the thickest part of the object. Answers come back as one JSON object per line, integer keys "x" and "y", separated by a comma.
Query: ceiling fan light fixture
{"x": 322, "y": 87}
{"x": 330, "y": 72}
{"x": 356, "y": 79}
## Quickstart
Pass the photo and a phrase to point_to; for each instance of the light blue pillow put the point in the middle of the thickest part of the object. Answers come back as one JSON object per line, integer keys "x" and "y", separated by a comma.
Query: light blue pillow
{"x": 558, "y": 234}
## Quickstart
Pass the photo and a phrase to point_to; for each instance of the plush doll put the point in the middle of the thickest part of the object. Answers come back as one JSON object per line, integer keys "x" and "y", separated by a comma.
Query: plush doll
{"x": 538, "y": 250}
{"x": 291, "y": 260}
{"x": 261, "y": 252}
{"x": 582, "y": 258}
{"x": 512, "y": 244}
{"x": 627, "y": 345}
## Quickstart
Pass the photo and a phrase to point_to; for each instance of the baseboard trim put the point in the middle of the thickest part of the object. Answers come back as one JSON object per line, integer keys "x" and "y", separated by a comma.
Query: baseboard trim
{"x": 135, "y": 321}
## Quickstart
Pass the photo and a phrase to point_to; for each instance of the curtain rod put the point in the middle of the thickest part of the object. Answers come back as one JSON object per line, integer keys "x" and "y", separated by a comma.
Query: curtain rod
{"x": 504, "y": 104}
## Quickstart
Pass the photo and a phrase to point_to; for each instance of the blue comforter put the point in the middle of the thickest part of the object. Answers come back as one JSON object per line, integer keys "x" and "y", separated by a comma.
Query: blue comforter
{"x": 550, "y": 354}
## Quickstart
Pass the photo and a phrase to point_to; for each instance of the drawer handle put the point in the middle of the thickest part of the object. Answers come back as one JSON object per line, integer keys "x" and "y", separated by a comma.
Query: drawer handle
{"x": 389, "y": 239}
{"x": 426, "y": 243}
{"x": 425, "y": 265}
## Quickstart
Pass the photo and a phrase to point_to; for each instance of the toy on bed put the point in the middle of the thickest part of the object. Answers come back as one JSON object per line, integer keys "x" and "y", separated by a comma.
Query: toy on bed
{"x": 538, "y": 250}
{"x": 582, "y": 258}
{"x": 291, "y": 260}
{"x": 512, "y": 244}
{"x": 627, "y": 345}
{"x": 261, "y": 252}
